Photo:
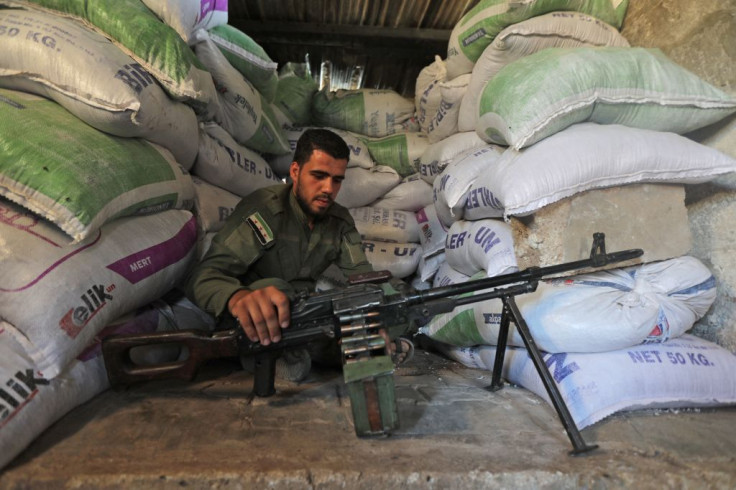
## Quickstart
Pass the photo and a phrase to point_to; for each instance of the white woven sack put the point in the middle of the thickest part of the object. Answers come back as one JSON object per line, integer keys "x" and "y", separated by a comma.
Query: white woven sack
{"x": 594, "y": 312}
{"x": 31, "y": 401}
{"x": 472, "y": 246}
{"x": 451, "y": 188}
{"x": 446, "y": 275}
{"x": 438, "y": 155}
{"x": 432, "y": 232}
{"x": 222, "y": 162}
{"x": 444, "y": 123}
{"x": 428, "y": 266}
{"x": 212, "y": 205}
{"x": 359, "y": 154}
{"x": 481, "y": 24}
{"x": 76, "y": 176}
{"x": 588, "y": 156}
{"x": 553, "y": 30}
{"x": 401, "y": 259}
{"x": 59, "y": 296}
{"x": 525, "y": 103}
{"x": 387, "y": 225}
{"x": 368, "y": 112}
{"x": 427, "y": 95}
{"x": 243, "y": 112}
{"x": 186, "y": 16}
{"x": 281, "y": 163}
{"x": 363, "y": 186}
{"x": 687, "y": 372}
{"x": 412, "y": 194}
{"x": 140, "y": 33}
{"x": 94, "y": 80}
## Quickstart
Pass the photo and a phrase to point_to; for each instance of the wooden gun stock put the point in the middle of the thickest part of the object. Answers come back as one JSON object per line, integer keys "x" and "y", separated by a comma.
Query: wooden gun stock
{"x": 200, "y": 346}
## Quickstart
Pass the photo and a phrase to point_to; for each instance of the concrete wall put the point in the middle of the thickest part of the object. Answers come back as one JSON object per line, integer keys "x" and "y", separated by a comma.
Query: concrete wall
{"x": 700, "y": 35}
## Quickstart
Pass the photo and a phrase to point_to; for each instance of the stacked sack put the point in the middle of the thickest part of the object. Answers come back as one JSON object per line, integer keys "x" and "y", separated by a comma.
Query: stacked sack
{"x": 382, "y": 199}
{"x": 101, "y": 216}
{"x": 534, "y": 105}
{"x": 101, "y": 123}
{"x": 382, "y": 188}
{"x": 244, "y": 133}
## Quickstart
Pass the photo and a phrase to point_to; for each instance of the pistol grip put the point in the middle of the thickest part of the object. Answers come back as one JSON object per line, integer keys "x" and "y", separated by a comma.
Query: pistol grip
{"x": 265, "y": 373}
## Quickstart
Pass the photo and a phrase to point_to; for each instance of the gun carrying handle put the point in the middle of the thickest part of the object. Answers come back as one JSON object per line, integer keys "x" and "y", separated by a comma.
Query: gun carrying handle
{"x": 373, "y": 277}
{"x": 201, "y": 346}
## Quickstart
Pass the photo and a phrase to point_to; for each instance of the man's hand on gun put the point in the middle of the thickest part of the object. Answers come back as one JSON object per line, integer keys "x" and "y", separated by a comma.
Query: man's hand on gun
{"x": 262, "y": 313}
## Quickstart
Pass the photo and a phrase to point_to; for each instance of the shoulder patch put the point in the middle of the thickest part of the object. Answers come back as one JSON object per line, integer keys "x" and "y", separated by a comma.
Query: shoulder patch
{"x": 260, "y": 228}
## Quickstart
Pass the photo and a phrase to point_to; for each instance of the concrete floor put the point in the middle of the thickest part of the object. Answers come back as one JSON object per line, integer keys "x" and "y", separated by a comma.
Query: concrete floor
{"x": 454, "y": 434}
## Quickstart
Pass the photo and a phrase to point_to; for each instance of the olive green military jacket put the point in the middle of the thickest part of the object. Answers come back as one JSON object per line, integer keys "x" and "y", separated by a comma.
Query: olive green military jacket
{"x": 267, "y": 236}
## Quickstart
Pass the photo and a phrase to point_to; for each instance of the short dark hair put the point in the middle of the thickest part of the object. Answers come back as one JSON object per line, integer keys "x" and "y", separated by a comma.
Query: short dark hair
{"x": 320, "y": 139}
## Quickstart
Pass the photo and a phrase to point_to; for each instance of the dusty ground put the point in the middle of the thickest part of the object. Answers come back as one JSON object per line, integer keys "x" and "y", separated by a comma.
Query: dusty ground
{"x": 454, "y": 434}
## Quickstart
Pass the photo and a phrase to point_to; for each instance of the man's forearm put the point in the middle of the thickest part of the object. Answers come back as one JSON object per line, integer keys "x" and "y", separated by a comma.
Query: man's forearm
{"x": 211, "y": 292}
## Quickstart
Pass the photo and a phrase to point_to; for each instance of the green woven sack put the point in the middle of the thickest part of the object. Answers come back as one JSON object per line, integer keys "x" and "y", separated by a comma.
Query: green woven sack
{"x": 543, "y": 93}
{"x": 248, "y": 57}
{"x": 142, "y": 35}
{"x": 76, "y": 176}
{"x": 480, "y": 26}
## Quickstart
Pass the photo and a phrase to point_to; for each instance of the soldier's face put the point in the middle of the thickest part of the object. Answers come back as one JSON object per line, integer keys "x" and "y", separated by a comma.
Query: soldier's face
{"x": 317, "y": 182}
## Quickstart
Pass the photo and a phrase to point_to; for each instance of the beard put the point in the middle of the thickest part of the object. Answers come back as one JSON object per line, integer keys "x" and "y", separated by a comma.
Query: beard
{"x": 306, "y": 205}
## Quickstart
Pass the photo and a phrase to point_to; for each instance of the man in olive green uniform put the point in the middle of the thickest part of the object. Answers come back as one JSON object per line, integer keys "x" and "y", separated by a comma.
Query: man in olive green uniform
{"x": 280, "y": 239}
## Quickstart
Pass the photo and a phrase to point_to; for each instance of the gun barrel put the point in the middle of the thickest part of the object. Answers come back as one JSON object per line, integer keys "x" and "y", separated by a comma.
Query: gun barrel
{"x": 598, "y": 258}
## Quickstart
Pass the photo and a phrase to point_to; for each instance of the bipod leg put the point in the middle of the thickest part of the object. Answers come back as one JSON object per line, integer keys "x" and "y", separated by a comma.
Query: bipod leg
{"x": 503, "y": 336}
{"x": 578, "y": 443}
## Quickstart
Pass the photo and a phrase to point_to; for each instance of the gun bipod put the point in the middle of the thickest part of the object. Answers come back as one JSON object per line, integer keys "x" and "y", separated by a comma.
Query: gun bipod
{"x": 511, "y": 312}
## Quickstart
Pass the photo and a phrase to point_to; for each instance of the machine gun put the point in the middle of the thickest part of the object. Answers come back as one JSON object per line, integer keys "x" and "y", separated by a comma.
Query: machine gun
{"x": 358, "y": 317}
